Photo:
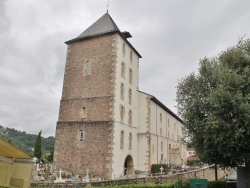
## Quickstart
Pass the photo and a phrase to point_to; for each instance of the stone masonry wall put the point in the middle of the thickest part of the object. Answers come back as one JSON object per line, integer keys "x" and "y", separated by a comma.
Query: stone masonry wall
{"x": 80, "y": 90}
{"x": 86, "y": 108}
{"x": 93, "y": 153}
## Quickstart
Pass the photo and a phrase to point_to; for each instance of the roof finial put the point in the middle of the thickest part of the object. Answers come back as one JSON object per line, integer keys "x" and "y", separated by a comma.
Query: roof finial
{"x": 108, "y": 7}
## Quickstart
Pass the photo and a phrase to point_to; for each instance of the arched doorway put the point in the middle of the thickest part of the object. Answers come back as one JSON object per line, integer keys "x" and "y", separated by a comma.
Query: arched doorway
{"x": 128, "y": 166}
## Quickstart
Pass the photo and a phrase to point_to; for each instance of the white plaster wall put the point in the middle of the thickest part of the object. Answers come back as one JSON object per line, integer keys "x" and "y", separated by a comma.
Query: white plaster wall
{"x": 142, "y": 152}
{"x": 158, "y": 130}
{"x": 142, "y": 142}
{"x": 119, "y": 155}
{"x": 143, "y": 112}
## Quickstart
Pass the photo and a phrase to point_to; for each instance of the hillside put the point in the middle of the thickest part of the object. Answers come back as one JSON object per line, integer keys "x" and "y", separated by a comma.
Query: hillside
{"x": 25, "y": 141}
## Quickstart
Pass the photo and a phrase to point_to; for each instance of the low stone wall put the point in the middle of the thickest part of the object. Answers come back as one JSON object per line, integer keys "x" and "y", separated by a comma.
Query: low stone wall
{"x": 204, "y": 173}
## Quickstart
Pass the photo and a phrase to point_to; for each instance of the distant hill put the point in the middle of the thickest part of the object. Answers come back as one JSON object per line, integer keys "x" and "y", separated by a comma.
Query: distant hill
{"x": 25, "y": 141}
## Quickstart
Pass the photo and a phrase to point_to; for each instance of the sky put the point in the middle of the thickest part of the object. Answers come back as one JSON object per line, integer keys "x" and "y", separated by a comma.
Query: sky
{"x": 171, "y": 35}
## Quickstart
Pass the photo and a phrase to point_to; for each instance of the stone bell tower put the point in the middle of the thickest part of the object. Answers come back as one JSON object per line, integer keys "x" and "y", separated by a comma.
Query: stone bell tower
{"x": 96, "y": 100}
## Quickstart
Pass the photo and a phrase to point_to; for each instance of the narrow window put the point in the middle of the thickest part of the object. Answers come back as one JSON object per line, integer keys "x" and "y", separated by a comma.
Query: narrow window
{"x": 122, "y": 111}
{"x": 160, "y": 118}
{"x": 87, "y": 68}
{"x": 130, "y": 76}
{"x": 169, "y": 146}
{"x": 122, "y": 91}
{"x": 130, "y": 96}
{"x": 161, "y": 145}
{"x": 81, "y": 135}
{"x": 131, "y": 56}
{"x": 123, "y": 49}
{"x": 161, "y": 157}
{"x": 130, "y": 141}
{"x": 122, "y": 140}
{"x": 83, "y": 113}
{"x": 123, "y": 70}
{"x": 130, "y": 117}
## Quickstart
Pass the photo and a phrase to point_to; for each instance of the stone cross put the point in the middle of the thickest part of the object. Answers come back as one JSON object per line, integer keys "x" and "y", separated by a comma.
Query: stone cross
{"x": 161, "y": 169}
{"x": 60, "y": 173}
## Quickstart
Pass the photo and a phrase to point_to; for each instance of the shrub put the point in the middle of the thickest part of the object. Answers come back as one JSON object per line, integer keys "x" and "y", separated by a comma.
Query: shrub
{"x": 155, "y": 168}
{"x": 217, "y": 184}
{"x": 181, "y": 184}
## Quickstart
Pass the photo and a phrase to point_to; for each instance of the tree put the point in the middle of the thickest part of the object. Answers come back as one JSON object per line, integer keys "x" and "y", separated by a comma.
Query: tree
{"x": 50, "y": 156}
{"x": 215, "y": 106}
{"x": 38, "y": 146}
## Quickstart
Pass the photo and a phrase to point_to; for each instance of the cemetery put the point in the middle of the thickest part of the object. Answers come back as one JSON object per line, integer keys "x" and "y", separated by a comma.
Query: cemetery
{"x": 42, "y": 176}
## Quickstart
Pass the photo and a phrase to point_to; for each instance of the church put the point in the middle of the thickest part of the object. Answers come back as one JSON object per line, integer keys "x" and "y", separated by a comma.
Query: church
{"x": 106, "y": 125}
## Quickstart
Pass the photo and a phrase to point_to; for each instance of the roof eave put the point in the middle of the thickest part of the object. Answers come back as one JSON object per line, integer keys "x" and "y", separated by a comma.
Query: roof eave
{"x": 99, "y": 35}
{"x": 166, "y": 108}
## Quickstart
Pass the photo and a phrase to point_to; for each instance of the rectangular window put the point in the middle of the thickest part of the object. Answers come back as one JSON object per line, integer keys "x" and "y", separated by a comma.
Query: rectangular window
{"x": 123, "y": 70}
{"x": 131, "y": 57}
{"x": 81, "y": 135}
{"x": 123, "y": 49}
{"x": 122, "y": 140}
{"x": 130, "y": 141}
{"x": 122, "y": 112}
{"x": 130, "y": 96}
{"x": 87, "y": 68}
{"x": 122, "y": 91}
{"x": 130, "y": 117}
{"x": 130, "y": 76}
{"x": 161, "y": 145}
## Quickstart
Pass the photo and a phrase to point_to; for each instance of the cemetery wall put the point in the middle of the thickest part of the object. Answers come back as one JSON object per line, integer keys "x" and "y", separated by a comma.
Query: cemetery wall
{"x": 204, "y": 173}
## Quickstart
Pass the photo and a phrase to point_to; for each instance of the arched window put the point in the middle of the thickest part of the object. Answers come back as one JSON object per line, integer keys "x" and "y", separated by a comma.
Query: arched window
{"x": 160, "y": 117}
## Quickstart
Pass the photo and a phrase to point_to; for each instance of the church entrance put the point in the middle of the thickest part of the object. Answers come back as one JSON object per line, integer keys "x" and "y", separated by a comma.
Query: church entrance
{"x": 128, "y": 166}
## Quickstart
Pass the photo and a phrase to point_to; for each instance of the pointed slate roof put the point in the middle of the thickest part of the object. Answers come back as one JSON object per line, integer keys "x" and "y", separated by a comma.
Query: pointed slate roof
{"x": 104, "y": 25}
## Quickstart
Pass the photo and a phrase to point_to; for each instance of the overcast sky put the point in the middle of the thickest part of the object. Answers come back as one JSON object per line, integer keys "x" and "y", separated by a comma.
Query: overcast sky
{"x": 171, "y": 36}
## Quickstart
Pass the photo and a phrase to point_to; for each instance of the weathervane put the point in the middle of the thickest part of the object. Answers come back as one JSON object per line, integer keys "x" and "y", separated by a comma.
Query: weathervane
{"x": 108, "y": 7}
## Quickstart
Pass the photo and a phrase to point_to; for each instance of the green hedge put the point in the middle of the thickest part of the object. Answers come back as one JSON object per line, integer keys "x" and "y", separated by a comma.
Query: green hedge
{"x": 155, "y": 168}
{"x": 217, "y": 184}
{"x": 178, "y": 184}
